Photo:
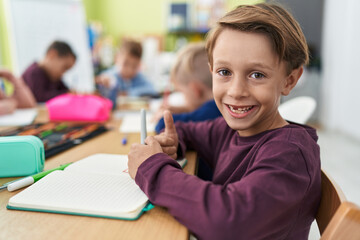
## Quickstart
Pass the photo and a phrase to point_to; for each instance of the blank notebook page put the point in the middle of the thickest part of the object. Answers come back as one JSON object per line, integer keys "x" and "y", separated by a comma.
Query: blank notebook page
{"x": 83, "y": 192}
{"x": 109, "y": 164}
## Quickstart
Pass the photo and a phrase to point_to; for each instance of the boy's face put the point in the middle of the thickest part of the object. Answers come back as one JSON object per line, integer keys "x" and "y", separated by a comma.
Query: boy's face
{"x": 58, "y": 65}
{"x": 128, "y": 64}
{"x": 248, "y": 80}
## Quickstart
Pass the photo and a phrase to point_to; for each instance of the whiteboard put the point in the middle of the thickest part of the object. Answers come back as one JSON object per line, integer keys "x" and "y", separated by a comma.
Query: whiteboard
{"x": 34, "y": 24}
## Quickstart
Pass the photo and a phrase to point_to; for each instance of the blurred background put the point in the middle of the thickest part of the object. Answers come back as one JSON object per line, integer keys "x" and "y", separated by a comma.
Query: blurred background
{"x": 95, "y": 29}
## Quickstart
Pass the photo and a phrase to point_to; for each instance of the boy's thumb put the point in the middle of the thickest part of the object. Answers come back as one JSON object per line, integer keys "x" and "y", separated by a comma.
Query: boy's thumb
{"x": 150, "y": 140}
{"x": 169, "y": 123}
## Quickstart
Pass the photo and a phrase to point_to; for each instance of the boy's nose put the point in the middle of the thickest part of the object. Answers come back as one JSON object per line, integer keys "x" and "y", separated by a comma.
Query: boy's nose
{"x": 238, "y": 88}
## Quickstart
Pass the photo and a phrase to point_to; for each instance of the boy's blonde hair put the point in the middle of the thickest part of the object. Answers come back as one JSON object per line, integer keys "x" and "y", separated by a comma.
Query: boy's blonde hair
{"x": 278, "y": 24}
{"x": 131, "y": 47}
{"x": 192, "y": 64}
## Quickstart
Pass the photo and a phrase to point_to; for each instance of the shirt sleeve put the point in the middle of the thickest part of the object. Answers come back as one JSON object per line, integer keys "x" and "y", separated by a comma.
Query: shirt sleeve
{"x": 140, "y": 86}
{"x": 110, "y": 93}
{"x": 263, "y": 204}
{"x": 203, "y": 138}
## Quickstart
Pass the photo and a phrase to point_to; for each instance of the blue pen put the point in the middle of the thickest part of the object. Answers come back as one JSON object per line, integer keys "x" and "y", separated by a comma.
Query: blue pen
{"x": 124, "y": 140}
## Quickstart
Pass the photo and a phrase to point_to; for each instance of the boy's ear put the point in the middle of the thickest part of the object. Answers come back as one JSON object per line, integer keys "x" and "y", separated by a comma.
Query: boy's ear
{"x": 291, "y": 80}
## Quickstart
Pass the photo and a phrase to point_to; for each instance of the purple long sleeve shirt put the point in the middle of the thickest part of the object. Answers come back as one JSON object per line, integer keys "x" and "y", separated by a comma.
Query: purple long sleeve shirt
{"x": 40, "y": 84}
{"x": 265, "y": 186}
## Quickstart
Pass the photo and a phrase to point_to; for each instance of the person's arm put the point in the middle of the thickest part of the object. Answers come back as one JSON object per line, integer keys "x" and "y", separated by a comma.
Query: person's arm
{"x": 110, "y": 93}
{"x": 23, "y": 94}
{"x": 106, "y": 90}
{"x": 140, "y": 86}
{"x": 22, "y": 97}
{"x": 7, "y": 105}
{"x": 264, "y": 204}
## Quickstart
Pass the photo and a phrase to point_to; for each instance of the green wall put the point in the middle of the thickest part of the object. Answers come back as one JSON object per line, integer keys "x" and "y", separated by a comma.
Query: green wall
{"x": 123, "y": 17}
{"x": 5, "y": 55}
{"x": 118, "y": 17}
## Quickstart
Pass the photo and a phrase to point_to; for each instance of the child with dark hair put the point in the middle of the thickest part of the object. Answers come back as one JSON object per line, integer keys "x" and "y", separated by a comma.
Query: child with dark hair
{"x": 44, "y": 78}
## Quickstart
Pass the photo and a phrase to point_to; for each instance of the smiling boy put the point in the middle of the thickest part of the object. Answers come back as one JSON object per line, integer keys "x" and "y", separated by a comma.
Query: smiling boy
{"x": 266, "y": 182}
{"x": 247, "y": 89}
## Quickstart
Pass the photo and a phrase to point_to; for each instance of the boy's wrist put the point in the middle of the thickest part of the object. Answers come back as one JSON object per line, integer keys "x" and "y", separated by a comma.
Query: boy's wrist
{"x": 18, "y": 83}
{"x": 147, "y": 167}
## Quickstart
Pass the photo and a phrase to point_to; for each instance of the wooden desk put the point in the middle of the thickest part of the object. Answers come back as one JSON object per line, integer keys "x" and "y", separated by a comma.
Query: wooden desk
{"x": 155, "y": 224}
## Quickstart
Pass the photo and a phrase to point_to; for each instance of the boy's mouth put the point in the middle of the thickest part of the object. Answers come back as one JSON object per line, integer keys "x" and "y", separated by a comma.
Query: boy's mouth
{"x": 240, "y": 110}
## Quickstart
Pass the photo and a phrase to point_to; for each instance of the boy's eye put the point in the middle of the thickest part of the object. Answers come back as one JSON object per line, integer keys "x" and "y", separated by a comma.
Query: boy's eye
{"x": 224, "y": 72}
{"x": 257, "y": 75}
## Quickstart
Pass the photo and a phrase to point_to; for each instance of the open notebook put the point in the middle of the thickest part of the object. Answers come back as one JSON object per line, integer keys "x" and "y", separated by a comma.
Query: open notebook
{"x": 97, "y": 186}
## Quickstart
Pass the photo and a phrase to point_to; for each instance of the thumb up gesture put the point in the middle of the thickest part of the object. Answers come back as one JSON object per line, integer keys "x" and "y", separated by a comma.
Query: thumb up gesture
{"x": 166, "y": 142}
{"x": 168, "y": 139}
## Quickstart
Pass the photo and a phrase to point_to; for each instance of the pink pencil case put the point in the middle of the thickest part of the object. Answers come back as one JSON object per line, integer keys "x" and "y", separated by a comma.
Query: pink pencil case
{"x": 71, "y": 107}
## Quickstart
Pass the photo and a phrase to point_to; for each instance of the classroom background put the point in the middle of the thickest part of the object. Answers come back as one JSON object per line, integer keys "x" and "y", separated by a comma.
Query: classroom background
{"x": 164, "y": 26}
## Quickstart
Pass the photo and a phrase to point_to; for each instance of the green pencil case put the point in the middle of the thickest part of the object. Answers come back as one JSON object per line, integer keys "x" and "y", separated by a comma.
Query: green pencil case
{"x": 21, "y": 156}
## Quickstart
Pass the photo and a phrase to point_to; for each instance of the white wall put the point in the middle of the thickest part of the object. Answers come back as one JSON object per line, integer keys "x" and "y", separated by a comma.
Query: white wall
{"x": 309, "y": 14}
{"x": 34, "y": 24}
{"x": 341, "y": 67}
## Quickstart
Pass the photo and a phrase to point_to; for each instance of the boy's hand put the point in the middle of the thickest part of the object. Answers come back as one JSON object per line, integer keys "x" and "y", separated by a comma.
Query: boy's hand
{"x": 168, "y": 139}
{"x": 6, "y": 74}
{"x": 103, "y": 80}
{"x": 139, "y": 153}
{"x": 8, "y": 106}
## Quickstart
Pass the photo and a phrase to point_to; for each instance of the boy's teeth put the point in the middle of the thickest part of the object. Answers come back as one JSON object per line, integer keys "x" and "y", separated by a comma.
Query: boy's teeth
{"x": 240, "y": 110}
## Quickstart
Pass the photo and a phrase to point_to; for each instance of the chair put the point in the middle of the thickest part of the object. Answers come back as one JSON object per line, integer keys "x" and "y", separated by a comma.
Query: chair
{"x": 331, "y": 199}
{"x": 345, "y": 224}
{"x": 298, "y": 109}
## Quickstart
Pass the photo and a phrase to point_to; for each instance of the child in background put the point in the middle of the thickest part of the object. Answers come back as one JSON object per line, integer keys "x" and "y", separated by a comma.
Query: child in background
{"x": 44, "y": 77}
{"x": 266, "y": 182}
{"x": 192, "y": 77}
{"x": 21, "y": 98}
{"x": 124, "y": 77}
